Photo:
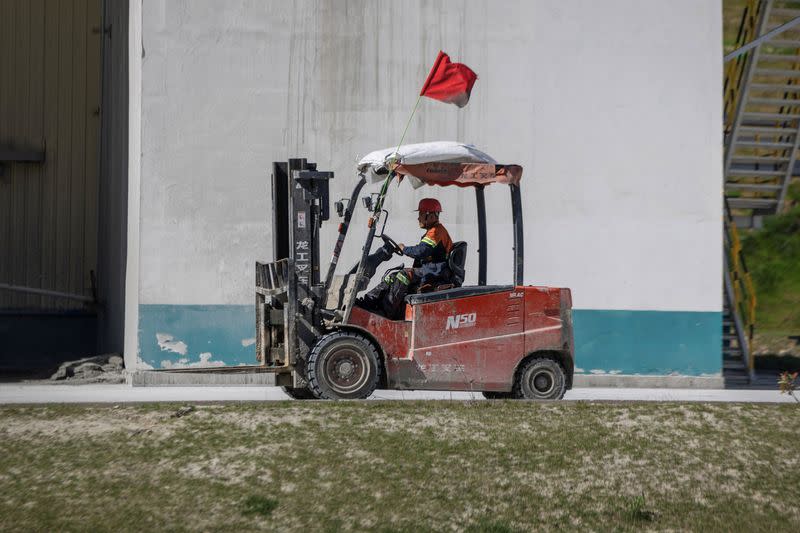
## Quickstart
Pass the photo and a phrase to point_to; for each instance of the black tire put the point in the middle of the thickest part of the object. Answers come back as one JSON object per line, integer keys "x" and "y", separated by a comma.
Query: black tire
{"x": 299, "y": 393}
{"x": 540, "y": 378}
{"x": 343, "y": 366}
{"x": 494, "y": 395}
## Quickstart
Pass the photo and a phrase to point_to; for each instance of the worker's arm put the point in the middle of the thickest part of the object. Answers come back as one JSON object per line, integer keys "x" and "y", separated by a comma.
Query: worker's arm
{"x": 422, "y": 250}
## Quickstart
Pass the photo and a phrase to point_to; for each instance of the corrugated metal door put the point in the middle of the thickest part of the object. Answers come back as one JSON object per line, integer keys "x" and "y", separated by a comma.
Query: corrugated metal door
{"x": 50, "y": 104}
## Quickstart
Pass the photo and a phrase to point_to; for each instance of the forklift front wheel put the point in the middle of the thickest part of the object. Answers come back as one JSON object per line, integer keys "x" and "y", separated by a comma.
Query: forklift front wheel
{"x": 541, "y": 378}
{"x": 343, "y": 366}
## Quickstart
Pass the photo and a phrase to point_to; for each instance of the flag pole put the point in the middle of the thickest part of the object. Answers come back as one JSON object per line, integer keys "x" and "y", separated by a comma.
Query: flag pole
{"x": 385, "y": 186}
{"x": 469, "y": 78}
{"x": 408, "y": 124}
{"x": 374, "y": 220}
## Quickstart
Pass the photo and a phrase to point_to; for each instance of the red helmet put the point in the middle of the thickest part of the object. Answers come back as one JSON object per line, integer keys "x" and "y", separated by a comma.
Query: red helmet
{"x": 429, "y": 205}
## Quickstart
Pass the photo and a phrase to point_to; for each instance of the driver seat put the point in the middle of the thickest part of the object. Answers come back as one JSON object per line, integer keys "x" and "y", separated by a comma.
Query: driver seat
{"x": 456, "y": 260}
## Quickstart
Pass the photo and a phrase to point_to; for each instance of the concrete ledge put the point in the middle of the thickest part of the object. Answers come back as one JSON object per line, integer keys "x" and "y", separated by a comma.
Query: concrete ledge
{"x": 155, "y": 379}
{"x": 648, "y": 382}
{"x": 161, "y": 378}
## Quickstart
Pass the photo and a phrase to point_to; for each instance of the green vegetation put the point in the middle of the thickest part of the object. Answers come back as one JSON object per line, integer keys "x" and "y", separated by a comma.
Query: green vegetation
{"x": 731, "y": 19}
{"x": 400, "y": 466}
{"x": 773, "y": 257}
{"x": 637, "y": 510}
{"x": 259, "y": 505}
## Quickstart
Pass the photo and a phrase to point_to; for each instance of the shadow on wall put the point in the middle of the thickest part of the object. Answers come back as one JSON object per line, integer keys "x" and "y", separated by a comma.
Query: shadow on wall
{"x": 36, "y": 343}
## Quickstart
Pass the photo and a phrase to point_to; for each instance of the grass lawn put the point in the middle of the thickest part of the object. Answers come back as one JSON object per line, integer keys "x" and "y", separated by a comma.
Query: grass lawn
{"x": 401, "y": 466}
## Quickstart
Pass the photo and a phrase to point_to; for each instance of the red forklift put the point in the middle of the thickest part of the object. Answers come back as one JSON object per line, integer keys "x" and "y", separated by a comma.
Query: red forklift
{"x": 505, "y": 341}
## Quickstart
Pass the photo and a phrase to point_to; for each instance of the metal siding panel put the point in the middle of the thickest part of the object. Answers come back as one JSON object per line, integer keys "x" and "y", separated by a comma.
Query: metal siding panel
{"x": 78, "y": 275}
{"x": 63, "y": 177}
{"x": 8, "y": 124}
{"x": 49, "y": 94}
{"x": 4, "y": 6}
{"x": 18, "y": 171}
{"x": 5, "y": 110}
{"x": 35, "y": 118}
{"x": 93, "y": 32}
{"x": 49, "y": 222}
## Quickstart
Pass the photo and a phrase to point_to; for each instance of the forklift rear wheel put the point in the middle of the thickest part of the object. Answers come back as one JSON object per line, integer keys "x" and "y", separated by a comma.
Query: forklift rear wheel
{"x": 301, "y": 393}
{"x": 541, "y": 378}
{"x": 343, "y": 366}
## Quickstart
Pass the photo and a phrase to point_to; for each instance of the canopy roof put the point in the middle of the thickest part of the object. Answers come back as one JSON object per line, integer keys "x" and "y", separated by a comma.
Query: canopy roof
{"x": 439, "y": 163}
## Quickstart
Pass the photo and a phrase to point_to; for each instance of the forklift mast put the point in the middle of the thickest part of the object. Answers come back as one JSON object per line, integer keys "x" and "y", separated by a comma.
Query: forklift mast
{"x": 301, "y": 203}
{"x": 288, "y": 290}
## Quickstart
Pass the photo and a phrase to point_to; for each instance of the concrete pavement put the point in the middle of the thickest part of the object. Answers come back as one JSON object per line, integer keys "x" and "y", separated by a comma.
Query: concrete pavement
{"x": 16, "y": 393}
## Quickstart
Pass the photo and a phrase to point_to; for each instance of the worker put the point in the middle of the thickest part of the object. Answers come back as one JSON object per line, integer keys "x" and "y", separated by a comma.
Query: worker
{"x": 430, "y": 264}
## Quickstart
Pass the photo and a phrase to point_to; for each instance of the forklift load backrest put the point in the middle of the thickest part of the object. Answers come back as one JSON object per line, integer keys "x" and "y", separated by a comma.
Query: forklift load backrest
{"x": 456, "y": 261}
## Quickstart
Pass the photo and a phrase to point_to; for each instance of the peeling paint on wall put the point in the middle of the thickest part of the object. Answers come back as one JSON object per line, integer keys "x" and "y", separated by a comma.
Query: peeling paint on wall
{"x": 183, "y": 335}
{"x": 141, "y": 365}
{"x": 168, "y": 343}
{"x": 203, "y": 362}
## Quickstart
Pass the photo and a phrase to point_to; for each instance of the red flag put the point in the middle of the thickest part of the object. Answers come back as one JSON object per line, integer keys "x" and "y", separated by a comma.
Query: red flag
{"x": 449, "y": 82}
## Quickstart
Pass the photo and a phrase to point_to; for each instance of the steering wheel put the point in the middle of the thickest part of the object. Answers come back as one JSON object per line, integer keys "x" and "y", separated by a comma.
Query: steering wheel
{"x": 388, "y": 240}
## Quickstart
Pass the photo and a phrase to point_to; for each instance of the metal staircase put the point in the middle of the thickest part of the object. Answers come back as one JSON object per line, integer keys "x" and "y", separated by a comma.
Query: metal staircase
{"x": 739, "y": 311}
{"x": 762, "y": 135}
{"x": 762, "y": 113}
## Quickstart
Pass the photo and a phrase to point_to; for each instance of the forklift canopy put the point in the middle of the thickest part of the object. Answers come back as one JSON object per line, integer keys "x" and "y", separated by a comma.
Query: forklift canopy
{"x": 439, "y": 163}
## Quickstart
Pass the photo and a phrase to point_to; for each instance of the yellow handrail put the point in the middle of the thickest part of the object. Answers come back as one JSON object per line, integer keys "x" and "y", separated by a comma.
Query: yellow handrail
{"x": 743, "y": 288}
{"x": 735, "y": 68}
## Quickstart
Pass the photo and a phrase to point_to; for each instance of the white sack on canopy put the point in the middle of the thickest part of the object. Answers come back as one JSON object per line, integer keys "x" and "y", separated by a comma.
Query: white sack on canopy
{"x": 375, "y": 164}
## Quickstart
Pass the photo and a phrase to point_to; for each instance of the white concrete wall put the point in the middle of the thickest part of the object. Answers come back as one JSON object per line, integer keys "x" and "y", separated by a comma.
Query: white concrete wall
{"x": 612, "y": 107}
{"x": 133, "y": 256}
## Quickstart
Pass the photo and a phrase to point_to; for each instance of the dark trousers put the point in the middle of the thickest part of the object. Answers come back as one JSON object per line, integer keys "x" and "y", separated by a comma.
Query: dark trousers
{"x": 388, "y": 297}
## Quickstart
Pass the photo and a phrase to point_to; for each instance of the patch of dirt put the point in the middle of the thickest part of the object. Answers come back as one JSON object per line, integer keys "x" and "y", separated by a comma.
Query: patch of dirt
{"x": 96, "y": 424}
{"x": 297, "y": 417}
{"x": 231, "y": 466}
{"x": 775, "y": 345}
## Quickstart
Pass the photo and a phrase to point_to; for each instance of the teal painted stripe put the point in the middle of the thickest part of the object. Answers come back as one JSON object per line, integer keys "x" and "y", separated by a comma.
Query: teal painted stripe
{"x": 226, "y": 332}
{"x": 624, "y": 342}
{"x": 648, "y": 342}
